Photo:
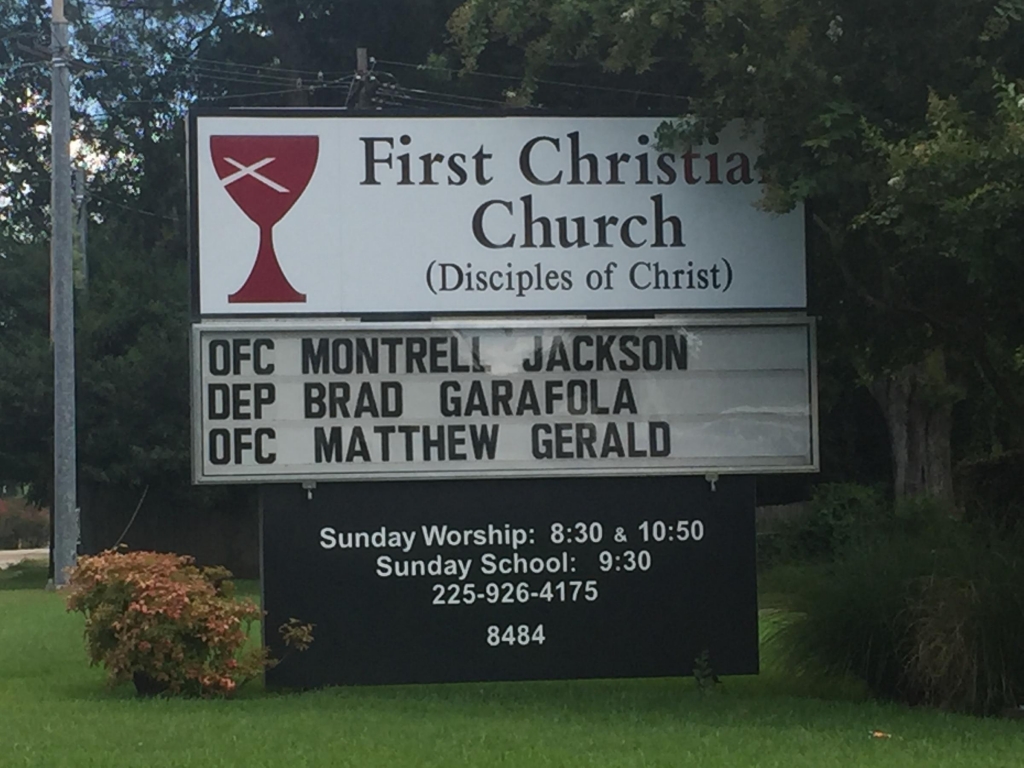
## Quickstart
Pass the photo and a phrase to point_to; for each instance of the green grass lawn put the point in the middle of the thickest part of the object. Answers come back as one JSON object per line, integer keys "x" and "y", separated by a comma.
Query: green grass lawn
{"x": 56, "y": 711}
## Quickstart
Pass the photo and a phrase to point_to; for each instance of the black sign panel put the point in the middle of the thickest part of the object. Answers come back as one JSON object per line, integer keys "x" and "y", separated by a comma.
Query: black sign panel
{"x": 437, "y": 581}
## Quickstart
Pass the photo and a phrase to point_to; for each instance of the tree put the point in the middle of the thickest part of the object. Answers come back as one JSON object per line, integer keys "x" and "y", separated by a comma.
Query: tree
{"x": 136, "y": 69}
{"x": 852, "y": 97}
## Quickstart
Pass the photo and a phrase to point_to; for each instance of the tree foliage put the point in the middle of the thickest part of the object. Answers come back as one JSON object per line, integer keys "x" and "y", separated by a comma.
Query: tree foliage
{"x": 898, "y": 125}
{"x": 136, "y": 69}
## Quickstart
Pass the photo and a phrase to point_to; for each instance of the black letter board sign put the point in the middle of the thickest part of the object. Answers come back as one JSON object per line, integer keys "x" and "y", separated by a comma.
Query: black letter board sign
{"x": 441, "y": 581}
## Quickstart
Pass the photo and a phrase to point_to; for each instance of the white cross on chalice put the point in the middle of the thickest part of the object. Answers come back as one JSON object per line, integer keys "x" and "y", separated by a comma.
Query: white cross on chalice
{"x": 251, "y": 170}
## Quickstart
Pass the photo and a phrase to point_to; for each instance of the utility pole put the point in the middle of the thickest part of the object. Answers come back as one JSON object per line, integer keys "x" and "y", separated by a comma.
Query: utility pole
{"x": 363, "y": 75}
{"x": 65, "y": 502}
{"x": 82, "y": 224}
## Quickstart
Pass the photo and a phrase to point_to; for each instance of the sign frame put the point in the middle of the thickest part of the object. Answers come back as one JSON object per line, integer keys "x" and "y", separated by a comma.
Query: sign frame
{"x": 365, "y": 636}
{"x": 193, "y": 161}
{"x": 442, "y": 324}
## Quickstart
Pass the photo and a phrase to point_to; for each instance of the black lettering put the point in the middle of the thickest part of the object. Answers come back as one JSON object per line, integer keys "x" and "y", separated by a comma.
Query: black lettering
{"x": 456, "y": 366}
{"x": 314, "y": 397}
{"x": 661, "y": 439}
{"x": 586, "y": 436}
{"x": 357, "y": 447}
{"x": 528, "y": 402}
{"x": 625, "y": 232}
{"x": 457, "y": 441}
{"x": 367, "y": 355}
{"x": 675, "y": 353}
{"x": 552, "y": 394}
{"x": 576, "y": 397}
{"x": 438, "y": 354}
{"x": 239, "y": 354}
{"x": 457, "y": 165}
{"x": 614, "y": 161}
{"x": 612, "y": 443}
{"x": 391, "y": 405}
{"x": 243, "y": 443}
{"x": 660, "y": 220}
{"x": 480, "y": 158}
{"x": 529, "y": 222}
{"x": 218, "y": 397}
{"x": 632, "y": 450}
{"x": 484, "y": 439}
{"x": 429, "y": 161}
{"x": 315, "y": 359}
{"x": 366, "y": 403}
{"x": 666, "y": 166}
{"x": 624, "y": 399}
{"x": 327, "y": 446}
{"x": 739, "y": 173}
{"x": 478, "y": 225}
{"x": 540, "y": 443}
{"x": 240, "y": 402}
{"x": 435, "y": 444}
{"x": 577, "y": 158}
{"x": 603, "y": 222}
{"x": 371, "y": 160}
{"x": 451, "y": 404}
{"x": 263, "y": 454}
{"x": 526, "y": 168}
{"x": 652, "y": 350}
{"x": 563, "y": 232}
{"x": 258, "y": 347}
{"x": 476, "y": 401}
{"x": 415, "y": 354}
{"x": 563, "y": 441}
{"x": 220, "y": 357}
{"x": 632, "y": 359}
{"x": 605, "y": 361}
{"x": 385, "y": 433}
{"x": 535, "y": 363}
{"x": 219, "y": 448}
{"x": 558, "y": 358}
{"x": 501, "y": 397}
{"x": 578, "y": 343}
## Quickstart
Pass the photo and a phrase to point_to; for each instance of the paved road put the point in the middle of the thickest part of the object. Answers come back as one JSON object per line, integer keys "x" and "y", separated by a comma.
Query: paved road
{"x": 9, "y": 557}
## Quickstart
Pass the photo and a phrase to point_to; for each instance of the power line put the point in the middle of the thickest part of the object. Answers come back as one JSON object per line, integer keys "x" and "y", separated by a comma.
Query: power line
{"x": 8, "y": 68}
{"x": 489, "y": 102}
{"x": 233, "y": 76}
{"x": 195, "y": 59}
{"x": 546, "y": 81}
{"x": 187, "y": 99}
{"x": 133, "y": 209}
{"x": 434, "y": 102}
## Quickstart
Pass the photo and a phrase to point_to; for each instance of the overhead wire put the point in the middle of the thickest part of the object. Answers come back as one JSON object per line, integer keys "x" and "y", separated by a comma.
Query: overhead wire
{"x": 286, "y": 80}
{"x": 238, "y": 77}
{"x": 546, "y": 81}
{"x": 477, "y": 99}
{"x": 14, "y": 67}
{"x": 261, "y": 67}
{"x": 132, "y": 208}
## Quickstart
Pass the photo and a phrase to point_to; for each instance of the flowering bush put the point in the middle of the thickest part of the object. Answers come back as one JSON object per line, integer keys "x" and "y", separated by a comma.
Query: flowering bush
{"x": 168, "y": 625}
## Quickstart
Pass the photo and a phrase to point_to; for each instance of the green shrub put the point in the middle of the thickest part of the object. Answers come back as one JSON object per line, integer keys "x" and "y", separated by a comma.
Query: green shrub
{"x": 923, "y": 615}
{"x": 167, "y": 625}
{"x": 23, "y": 525}
{"x": 838, "y": 515}
{"x": 966, "y": 630}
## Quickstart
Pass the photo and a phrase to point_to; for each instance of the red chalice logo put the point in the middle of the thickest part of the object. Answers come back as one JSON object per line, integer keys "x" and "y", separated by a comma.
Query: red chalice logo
{"x": 265, "y": 175}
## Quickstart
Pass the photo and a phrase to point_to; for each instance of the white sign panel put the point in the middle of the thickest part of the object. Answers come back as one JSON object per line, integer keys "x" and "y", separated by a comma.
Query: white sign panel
{"x": 274, "y": 401}
{"x": 333, "y": 215}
